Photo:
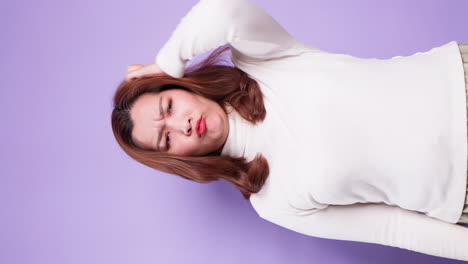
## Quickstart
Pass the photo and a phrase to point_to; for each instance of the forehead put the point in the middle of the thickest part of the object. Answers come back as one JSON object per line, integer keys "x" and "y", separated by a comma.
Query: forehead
{"x": 143, "y": 111}
{"x": 144, "y": 103}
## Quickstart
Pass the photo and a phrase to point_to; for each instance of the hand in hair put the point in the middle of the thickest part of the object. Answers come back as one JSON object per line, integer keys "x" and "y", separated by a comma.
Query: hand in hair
{"x": 138, "y": 70}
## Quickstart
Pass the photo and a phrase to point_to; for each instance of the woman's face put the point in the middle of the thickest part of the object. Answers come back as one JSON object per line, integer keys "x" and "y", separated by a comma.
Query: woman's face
{"x": 171, "y": 116}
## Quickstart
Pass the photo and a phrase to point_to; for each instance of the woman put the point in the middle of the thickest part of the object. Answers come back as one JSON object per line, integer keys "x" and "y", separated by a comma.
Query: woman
{"x": 324, "y": 144}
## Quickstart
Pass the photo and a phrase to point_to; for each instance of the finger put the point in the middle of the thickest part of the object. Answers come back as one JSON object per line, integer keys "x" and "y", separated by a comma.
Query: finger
{"x": 131, "y": 75}
{"x": 136, "y": 72}
{"x": 134, "y": 67}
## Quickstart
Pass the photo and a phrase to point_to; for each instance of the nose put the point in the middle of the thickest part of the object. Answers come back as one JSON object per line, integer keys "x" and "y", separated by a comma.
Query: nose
{"x": 187, "y": 127}
{"x": 183, "y": 125}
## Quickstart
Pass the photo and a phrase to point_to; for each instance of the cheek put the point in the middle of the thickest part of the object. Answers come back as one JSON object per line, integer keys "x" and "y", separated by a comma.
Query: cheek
{"x": 185, "y": 147}
{"x": 195, "y": 104}
{"x": 190, "y": 107}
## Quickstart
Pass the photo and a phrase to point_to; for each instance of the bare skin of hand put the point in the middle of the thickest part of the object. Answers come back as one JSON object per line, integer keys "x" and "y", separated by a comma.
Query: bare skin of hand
{"x": 137, "y": 70}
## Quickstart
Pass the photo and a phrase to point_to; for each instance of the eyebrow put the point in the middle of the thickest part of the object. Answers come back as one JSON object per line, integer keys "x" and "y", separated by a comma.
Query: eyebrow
{"x": 158, "y": 141}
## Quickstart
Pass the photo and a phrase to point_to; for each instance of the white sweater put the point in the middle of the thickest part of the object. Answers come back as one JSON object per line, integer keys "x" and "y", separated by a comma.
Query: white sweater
{"x": 355, "y": 146}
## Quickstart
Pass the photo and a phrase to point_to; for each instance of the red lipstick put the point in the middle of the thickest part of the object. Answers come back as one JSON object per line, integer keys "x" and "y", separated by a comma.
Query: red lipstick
{"x": 200, "y": 127}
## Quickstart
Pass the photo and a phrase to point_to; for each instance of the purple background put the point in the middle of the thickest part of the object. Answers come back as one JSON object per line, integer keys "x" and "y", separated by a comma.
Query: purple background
{"x": 69, "y": 194}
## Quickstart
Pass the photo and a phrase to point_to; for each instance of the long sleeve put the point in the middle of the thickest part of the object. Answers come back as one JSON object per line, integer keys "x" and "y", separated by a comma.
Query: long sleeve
{"x": 249, "y": 30}
{"x": 381, "y": 224}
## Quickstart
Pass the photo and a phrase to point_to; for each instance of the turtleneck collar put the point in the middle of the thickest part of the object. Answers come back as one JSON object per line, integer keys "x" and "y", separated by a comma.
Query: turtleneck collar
{"x": 236, "y": 142}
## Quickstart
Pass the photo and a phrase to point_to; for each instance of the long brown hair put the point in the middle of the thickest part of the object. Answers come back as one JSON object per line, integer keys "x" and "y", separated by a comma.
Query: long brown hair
{"x": 223, "y": 84}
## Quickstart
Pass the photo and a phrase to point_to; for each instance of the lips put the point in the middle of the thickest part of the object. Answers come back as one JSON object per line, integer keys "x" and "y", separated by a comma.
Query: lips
{"x": 200, "y": 127}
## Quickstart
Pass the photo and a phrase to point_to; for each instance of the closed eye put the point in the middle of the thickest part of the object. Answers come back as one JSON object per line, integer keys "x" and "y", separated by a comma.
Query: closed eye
{"x": 169, "y": 106}
{"x": 169, "y": 110}
{"x": 168, "y": 139}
